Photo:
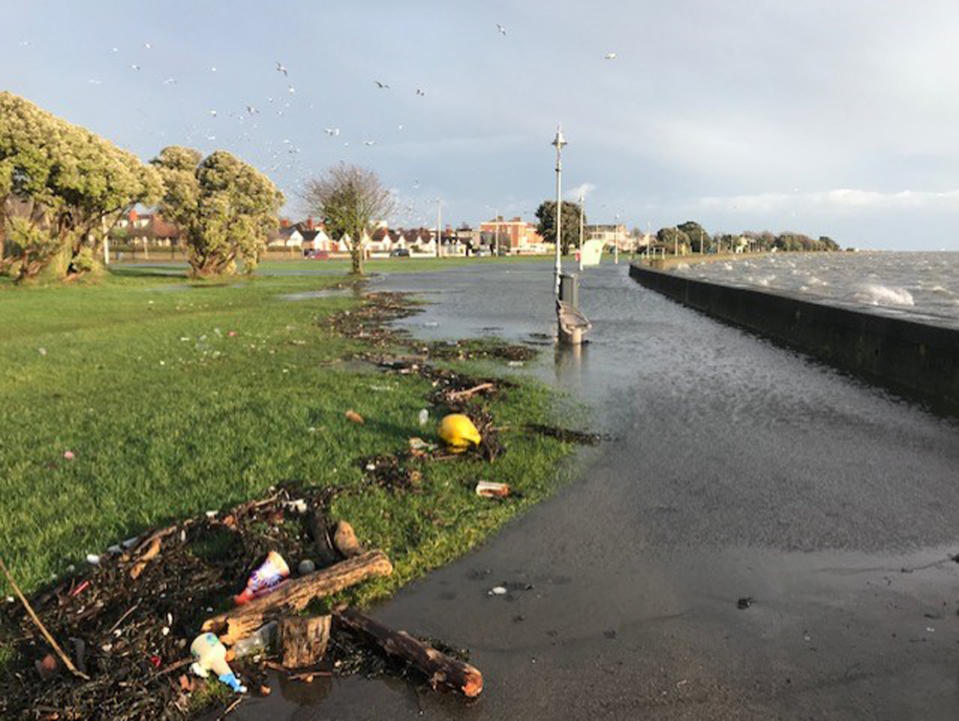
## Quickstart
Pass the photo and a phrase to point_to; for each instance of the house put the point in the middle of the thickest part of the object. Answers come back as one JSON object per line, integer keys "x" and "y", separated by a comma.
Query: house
{"x": 516, "y": 235}
{"x": 611, "y": 235}
{"x": 286, "y": 237}
{"x": 315, "y": 242}
{"x": 146, "y": 229}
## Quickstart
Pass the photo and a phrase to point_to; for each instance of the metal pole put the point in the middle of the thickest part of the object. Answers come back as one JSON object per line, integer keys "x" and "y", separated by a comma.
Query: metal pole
{"x": 559, "y": 214}
{"x": 582, "y": 211}
{"x": 439, "y": 227}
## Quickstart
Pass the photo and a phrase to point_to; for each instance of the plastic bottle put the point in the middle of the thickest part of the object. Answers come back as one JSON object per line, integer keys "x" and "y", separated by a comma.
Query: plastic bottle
{"x": 424, "y": 417}
{"x": 258, "y": 642}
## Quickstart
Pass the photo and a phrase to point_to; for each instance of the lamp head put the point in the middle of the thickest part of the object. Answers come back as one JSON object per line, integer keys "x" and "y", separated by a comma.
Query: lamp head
{"x": 559, "y": 141}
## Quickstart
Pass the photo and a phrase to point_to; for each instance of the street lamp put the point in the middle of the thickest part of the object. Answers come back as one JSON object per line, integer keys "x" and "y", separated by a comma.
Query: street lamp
{"x": 582, "y": 211}
{"x": 559, "y": 141}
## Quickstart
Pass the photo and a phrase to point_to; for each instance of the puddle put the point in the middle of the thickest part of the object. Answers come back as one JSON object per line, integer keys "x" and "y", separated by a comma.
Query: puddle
{"x": 311, "y": 294}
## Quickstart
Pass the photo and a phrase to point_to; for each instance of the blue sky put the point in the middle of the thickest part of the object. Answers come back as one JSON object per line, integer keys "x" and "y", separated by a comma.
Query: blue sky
{"x": 830, "y": 118}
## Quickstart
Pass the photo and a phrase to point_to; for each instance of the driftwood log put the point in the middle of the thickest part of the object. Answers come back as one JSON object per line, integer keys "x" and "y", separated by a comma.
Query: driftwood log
{"x": 439, "y": 668}
{"x": 320, "y": 531}
{"x": 294, "y": 595}
{"x": 303, "y": 639}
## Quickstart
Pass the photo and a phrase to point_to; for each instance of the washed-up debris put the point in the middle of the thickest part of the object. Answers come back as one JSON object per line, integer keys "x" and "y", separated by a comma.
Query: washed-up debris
{"x": 305, "y": 566}
{"x": 265, "y": 579}
{"x": 490, "y": 489}
{"x": 745, "y": 602}
{"x": 210, "y": 655}
{"x": 567, "y": 435}
{"x": 303, "y": 640}
{"x": 391, "y": 471}
{"x": 459, "y": 434}
{"x": 423, "y": 417}
{"x": 438, "y": 667}
{"x": 355, "y": 417}
{"x": 345, "y": 541}
{"x": 498, "y": 591}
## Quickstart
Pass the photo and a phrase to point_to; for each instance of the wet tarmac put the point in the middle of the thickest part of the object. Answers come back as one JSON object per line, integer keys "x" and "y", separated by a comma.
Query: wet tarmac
{"x": 738, "y": 470}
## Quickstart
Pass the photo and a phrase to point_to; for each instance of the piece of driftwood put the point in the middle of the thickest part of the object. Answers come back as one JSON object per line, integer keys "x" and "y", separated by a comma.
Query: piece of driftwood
{"x": 39, "y": 624}
{"x": 439, "y": 668}
{"x": 469, "y": 392}
{"x": 345, "y": 540}
{"x": 294, "y": 595}
{"x": 303, "y": 640}
{"x": 320, "y": 531}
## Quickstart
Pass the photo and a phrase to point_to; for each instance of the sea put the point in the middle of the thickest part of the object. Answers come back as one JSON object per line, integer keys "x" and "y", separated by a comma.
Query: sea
{"x": 915, "y": 285}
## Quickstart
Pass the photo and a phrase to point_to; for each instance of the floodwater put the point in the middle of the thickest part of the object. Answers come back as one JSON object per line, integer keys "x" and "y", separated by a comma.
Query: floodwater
{"x": 738, "y": 469}
{"x": 917, "y": 286}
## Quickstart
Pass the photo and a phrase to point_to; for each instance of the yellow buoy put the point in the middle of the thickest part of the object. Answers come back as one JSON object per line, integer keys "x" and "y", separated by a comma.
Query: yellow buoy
{"x": 458, "y": 432}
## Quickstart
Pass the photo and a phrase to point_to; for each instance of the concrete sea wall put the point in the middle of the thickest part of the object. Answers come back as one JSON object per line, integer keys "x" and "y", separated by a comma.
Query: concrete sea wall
{"x": 913, "y": 359}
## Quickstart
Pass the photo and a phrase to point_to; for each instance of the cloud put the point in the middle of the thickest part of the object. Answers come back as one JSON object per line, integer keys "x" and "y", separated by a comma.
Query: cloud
{"x": 836, "y": 199}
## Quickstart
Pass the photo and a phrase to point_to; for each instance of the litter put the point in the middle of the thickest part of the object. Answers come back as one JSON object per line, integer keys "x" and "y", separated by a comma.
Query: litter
{"x": 69, "y": 455}
{"x": 745, "y": 602}
{"x": 489, "y": 489}
{"x": 306, "y": 566}
{"x": 271, "y": 573}
{"x": 423, "y": 417}
{"x": 355, "y": 417}
{"x": 457, "y": 431}
{"x": 497, "y": 591}
{"x": 210, "y": 655}
{"x": 93, "y": 559}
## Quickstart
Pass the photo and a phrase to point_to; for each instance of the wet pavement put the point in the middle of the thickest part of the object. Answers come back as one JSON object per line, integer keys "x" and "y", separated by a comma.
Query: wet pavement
{"x": 738, "y": 469}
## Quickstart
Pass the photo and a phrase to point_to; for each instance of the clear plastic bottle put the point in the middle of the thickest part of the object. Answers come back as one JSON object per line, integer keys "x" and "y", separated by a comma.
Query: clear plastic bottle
{"x": 424, "y": 416}
{"x": 257, "y": 642}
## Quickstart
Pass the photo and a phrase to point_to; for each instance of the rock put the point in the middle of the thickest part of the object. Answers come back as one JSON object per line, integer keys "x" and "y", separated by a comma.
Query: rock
{"x": 306, "y": 566}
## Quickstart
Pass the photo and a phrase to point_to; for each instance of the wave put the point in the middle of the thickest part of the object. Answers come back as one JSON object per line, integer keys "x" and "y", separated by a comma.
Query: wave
{"x": 875, "y": 294}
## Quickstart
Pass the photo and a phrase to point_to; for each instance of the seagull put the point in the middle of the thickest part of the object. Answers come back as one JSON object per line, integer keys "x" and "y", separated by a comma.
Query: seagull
{"x": 115, "y": 50}
{"x": 135, "y": 66}
{"x": 147, "y": 45}
{"x": 291, "y": 90}
{"x": 381, "y": 86}
{"x": 213, "y": 113}
{"x": 211, "y": 137}
{"x": 280, "y": 68}
{"x": 170, "y": 81}
{"x": 369, "y": 142}
{"x": 501, "y": 29}
{"x": 213, "y": 69}
{"x": 331, "y": 131}
{"x": 610, "y": 56}
{"x": 250, "y": 109}
{"x": 399, "y": 127}
{"x": 420, "y": 92}
{"x": 95, "y": 82}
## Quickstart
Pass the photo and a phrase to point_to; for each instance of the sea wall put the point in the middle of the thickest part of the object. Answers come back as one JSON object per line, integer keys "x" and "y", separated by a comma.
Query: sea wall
{"x": 913, "y": 359}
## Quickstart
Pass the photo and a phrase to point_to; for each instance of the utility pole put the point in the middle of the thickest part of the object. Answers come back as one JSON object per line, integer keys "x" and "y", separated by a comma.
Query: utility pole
{"x": 582, "y": 212}
{"x": 439, "y": 227}
{"x": 559, "y": 141}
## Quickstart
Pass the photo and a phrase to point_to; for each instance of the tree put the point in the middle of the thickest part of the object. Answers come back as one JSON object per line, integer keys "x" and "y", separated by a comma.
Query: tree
{"x": 61, "y": 189}
{"x": 546, "y": 214}
{"x": 672, "y": 239}
{"x": 699, "y": 239}
{"x": 350, "y": 199}
{"x": 224, "y": 208}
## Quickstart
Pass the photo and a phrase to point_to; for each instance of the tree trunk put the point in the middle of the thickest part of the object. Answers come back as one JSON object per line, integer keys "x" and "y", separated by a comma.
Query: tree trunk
{"x": 356, "y": 255}
{"x": 438, "y": 667}
{"x": 241, "y": 621}
{"x": 303, "y": 640}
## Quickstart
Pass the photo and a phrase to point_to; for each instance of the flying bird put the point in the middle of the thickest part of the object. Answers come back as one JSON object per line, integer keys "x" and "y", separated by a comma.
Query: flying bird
{"x": 331, "y": 131}
{"x": 399, "y": 127}
{"x": 502, "y": 30}
{"x": 170, "y": 81}
{"x": 250, "y": 109}
{"x": 381, "y": 86}
{"x": 213, "y": 113}
{"x": 291, "y": 90}
{"x": 135, "y": 66}
{"x": 147, "y": 45}
{"x": 420, "y": 92}
{"x": 369, "y": 142}
{"x": 92, "y": 81}
{"x": 213, "y": 69}
{"x": 280, "y": 68}
{"x": 115, "y": 50}
{"x": 610, "y": 56}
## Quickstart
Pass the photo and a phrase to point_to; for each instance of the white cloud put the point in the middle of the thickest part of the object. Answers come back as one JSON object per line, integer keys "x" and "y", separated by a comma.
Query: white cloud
{"x": 835, "y": 199}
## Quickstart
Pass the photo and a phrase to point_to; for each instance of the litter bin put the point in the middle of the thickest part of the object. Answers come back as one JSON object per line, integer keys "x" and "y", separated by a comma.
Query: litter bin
{"x": 569, "y": 288}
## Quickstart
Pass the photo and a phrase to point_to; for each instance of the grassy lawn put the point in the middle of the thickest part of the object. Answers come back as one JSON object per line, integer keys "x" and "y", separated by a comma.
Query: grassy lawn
{"x": 176, "y": 398}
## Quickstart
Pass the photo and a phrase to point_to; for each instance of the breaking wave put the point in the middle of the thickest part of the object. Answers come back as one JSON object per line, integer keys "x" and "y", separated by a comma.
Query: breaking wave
{"x": 874, "y": 294}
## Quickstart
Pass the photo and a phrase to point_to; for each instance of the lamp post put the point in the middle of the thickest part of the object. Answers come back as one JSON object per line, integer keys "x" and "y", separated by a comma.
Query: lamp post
{"x": 559, "y": 141}
{"x": 582, "y": 212}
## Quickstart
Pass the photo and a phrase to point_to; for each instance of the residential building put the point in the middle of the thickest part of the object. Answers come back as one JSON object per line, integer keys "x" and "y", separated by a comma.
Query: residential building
{"x": 146, "y": 229}
{"x": 611, "y": 235}
{"x": 516, "y": 235}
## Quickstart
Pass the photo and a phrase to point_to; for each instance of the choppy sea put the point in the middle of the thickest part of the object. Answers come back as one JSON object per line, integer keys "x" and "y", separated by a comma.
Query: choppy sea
{"x": 919, "y": 286}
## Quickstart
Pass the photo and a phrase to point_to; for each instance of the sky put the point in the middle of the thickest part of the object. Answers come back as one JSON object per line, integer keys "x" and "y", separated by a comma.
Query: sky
{"x": 830, "y": 118}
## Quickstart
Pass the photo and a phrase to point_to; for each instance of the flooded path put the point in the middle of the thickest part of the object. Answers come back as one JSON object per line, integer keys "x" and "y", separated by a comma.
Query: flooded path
{"x": 738, "y": 469}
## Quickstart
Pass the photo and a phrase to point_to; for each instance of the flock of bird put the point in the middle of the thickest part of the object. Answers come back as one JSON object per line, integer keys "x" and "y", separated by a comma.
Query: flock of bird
{"x": 283, "y": 157}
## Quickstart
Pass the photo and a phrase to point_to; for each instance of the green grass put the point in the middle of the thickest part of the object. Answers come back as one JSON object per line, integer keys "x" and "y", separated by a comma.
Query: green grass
{"x": 177, "y": 398}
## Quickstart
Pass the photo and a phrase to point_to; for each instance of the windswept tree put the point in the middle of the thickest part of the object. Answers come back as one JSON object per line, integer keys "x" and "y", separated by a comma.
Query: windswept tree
{"x": 672, "y": 239}
{"x": 546, "y": 214}
{"x": 350, "y": 200}
{"x": 224, "y": 208}
{"x": 698, "y": 237}
{"x": 61, "y": 189}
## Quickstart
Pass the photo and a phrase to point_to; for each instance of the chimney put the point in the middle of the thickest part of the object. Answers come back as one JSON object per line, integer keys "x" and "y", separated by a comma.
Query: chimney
{"x": 133, "y": 215}
{"x": 284, "y": 222}
{"x": 309, "y": 223}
